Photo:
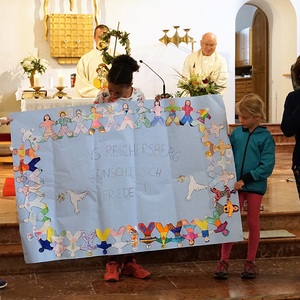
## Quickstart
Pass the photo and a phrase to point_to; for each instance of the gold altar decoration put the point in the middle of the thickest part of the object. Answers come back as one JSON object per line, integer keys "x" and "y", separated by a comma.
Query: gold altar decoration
{"x": 70, "y": 36}
{"x": 37, "y": 93}
{"x": 60, "y": 94}
{"x": 31, "y": 80}
{"x": 46, "y": 16}
{"x": 176, "y": 39}
{"x": 34, "y": 93}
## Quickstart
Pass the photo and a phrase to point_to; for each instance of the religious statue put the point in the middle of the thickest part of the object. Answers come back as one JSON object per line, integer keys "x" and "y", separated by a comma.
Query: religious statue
{"x": 101, "y": 82}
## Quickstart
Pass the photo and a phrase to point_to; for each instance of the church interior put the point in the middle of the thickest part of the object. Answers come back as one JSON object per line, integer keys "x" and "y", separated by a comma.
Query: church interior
{"x": 256, "y": 63}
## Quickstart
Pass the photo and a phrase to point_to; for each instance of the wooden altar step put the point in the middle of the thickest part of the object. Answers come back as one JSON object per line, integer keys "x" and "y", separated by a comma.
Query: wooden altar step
{"x": 5, "y": 148}
{"x": 6, "y": 159}
{"x": 12, "y": 259}
{"x": 5, "y": 152}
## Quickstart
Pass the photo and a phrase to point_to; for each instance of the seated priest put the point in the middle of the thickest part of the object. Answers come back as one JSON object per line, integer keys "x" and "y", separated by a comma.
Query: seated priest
{"x": 91, "y": 69}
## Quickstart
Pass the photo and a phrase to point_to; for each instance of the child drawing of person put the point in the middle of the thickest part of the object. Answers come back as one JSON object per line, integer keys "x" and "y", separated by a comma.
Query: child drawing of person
{"x": 64, "y": 129}
{"x": 126, "y": 111}
{"x": 142, "y": 118}
{"x": 187, "y": 108}
{"x": 157, "y": 109}
{"x": 49, "y": 132}
{"x": 110, "y": 114}
{"x": 30, "y": 152}
{"x": 172, "y": 117}
{"x": 22, "y": 167}
{"x": 203, "y": 115}
{"x": 80, "y": 127}
{"x": 96, "y": 125}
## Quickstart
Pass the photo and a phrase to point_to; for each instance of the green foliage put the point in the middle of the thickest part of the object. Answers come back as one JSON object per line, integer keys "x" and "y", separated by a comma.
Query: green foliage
{"x": 121, "y": 36}
{"x": 197, "y": 85}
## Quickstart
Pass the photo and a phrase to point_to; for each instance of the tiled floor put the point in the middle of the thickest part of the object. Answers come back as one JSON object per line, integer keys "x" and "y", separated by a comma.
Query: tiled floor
{"x": 279, "y": 278}
{"x": 281, "y": 195}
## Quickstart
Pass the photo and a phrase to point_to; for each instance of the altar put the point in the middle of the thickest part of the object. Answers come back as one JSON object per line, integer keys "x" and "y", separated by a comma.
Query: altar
{"x": 46, "y": 102}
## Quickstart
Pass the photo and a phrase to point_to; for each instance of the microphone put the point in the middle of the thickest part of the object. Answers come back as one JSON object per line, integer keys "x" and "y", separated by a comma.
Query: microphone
{"x": 164, "y": 86}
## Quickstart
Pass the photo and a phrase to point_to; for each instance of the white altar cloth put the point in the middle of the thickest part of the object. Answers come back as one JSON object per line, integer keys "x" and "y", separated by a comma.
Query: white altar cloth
{"x": 49, "y": 102}
{"x": 37, "y": 104}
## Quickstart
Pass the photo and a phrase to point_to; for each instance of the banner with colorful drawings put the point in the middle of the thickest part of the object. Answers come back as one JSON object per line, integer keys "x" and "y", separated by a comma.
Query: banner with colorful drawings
{"x": 124, "y": 177}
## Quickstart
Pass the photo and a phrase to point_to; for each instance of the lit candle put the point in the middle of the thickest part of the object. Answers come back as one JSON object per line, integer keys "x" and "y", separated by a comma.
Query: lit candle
{"x": 36, "y": 80}
{"x": 60, "y": 80}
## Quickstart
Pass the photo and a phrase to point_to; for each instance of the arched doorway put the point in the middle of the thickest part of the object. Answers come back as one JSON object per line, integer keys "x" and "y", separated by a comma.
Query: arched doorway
{"x": 252, "y": 57}
{"x": 260, "y": 57}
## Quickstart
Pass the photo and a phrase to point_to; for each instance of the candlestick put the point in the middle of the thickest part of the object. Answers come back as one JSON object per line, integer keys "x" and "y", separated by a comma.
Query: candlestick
{"x": 60, "y": 80}
{"x": 60, "y": 94}
{"x": 36, "y": 80}
{"x": 37, "y": 92}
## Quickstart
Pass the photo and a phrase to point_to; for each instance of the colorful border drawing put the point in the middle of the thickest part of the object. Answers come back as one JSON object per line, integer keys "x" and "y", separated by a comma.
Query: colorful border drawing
{"x": 118, "y": 178}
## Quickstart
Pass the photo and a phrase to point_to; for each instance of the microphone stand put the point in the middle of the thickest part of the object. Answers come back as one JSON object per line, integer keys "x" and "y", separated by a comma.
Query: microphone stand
{"x": 163, "y": 95}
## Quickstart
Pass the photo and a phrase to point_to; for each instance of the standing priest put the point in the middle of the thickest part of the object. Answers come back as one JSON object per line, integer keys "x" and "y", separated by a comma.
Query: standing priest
{"x": 91, "y": 69}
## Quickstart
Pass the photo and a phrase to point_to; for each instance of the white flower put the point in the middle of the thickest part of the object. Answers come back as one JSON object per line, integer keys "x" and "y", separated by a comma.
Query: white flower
{"x": 197, "y": 85}
{"x": 32, "y": 64}
{"x": 27, "y": 65}
{"x": 44, "y": 63}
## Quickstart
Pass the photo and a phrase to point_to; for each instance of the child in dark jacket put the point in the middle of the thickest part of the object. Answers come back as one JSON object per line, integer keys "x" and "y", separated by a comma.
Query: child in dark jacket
{"x": 254, "y": 155}
{"x": 290, "y": 124}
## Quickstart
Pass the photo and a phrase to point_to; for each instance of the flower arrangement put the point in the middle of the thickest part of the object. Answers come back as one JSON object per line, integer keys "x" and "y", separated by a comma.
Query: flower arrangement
{"x": 197, "y": 85}
{"x": 32, "y": 64}
{"x": 122, "y": 36}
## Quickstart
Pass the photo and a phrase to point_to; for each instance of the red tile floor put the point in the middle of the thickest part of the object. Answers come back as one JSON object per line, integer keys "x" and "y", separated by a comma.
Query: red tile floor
{"x": 279, "y": 278}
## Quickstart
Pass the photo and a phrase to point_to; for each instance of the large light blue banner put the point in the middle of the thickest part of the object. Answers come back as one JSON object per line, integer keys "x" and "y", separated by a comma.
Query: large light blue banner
{"x": 124, "y": 177}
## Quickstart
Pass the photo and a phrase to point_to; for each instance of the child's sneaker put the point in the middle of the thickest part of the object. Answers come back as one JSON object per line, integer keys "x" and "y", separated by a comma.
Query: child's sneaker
{"x": 3, "y": 284}
{"x": 250, "y": 270}
{"x": 132, "y": 268}
{"x": 112, "y": 271}
{"x": 221, "y": 271}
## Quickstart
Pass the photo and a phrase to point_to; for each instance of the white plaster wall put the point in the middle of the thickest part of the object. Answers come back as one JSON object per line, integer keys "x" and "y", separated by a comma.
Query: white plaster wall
{"x": 296, "y": 5}
{"x": 23, "y": 34}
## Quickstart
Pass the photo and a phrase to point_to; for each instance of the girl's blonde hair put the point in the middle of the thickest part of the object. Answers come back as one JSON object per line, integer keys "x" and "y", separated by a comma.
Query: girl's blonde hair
{"x": 252, "y": 105}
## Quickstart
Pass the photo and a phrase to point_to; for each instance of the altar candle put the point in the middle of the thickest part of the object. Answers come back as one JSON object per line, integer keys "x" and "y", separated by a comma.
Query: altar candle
{"x": 36, "y": 80}
{"x": 60, "y": 80}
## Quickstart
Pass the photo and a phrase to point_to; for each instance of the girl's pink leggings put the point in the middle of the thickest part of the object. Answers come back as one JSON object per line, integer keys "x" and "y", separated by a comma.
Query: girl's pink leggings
{"x": 253, "y": 212}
